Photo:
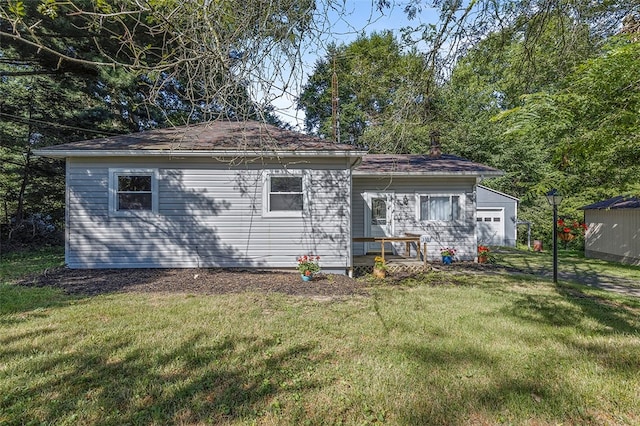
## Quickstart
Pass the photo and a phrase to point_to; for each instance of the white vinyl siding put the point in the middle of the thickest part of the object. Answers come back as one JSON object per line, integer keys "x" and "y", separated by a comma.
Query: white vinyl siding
{"x": 209, "y": 214}
{"x": 489, "y": 199}
{"x": 405, "y": 193}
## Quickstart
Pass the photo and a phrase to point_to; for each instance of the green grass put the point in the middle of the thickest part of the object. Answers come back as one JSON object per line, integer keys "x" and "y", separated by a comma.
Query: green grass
{"x": 18, "y": 264}
{"x": 569, "y": 262}
{"x": 439, "y": 349}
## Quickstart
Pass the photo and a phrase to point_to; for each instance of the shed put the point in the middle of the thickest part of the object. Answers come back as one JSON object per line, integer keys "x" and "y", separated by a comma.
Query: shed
{"x": 497, "y": 217}
{"x": 613, "y": 231}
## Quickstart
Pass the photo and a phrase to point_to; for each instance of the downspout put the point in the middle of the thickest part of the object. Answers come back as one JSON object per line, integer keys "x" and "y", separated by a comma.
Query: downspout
{"x": 355, "y": 163}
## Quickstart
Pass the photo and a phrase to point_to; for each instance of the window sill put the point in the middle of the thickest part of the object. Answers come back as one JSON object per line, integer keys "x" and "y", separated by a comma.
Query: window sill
{"x": 134, "y": 214}
{"x": 285, "y": 214}
{"x": 443, "y": 222}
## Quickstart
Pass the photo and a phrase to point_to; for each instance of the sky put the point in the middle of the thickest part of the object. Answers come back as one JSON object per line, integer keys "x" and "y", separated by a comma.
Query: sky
{"x": 344, "y": 27}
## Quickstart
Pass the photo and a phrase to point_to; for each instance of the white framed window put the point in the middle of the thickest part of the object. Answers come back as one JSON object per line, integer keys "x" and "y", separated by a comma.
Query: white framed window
{"x": 284, "y": 193}
{"x": 436, "y": 207}
{"x": 133, "y": 191}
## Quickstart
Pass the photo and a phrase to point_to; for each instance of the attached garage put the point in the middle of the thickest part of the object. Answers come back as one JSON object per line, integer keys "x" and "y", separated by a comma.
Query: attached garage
{"x": 496, "y": 217}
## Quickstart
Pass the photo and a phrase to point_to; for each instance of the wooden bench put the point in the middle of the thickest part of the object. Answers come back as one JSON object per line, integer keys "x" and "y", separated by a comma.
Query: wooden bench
{"x": 407, "y": 240}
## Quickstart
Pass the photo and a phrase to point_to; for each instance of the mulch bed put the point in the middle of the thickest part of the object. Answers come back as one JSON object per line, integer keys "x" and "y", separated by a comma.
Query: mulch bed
{"x": 90, "y": 282}
{"x": 195, "y": 281}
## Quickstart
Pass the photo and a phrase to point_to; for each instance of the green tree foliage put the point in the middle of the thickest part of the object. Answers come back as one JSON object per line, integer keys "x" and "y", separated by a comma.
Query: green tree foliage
{"x": 556, "y": 121}
{"x": 378, "y": 85}
{"x": 207, "y": 50}
{"x": 592, "y": 124}
{"x": 82, "y": 69}
{"x": 462, "y": 25}
{"x": 492, "y": 77}
{"x": 39, "y": 109}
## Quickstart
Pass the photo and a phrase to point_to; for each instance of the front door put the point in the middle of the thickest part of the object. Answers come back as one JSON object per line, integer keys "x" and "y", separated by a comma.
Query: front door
{"x": 378, "y": 219}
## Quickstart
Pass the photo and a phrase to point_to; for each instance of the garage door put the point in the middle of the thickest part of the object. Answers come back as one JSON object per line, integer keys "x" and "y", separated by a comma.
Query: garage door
{"x": 490, "y": 227}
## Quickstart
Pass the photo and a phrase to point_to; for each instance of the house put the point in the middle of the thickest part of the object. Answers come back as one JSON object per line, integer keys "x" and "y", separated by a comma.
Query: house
{"x": 613, "y": 231}
{"x": 250, "y": 195}
{"x": 497, "y": 217}
{"x": 431, "y": 195}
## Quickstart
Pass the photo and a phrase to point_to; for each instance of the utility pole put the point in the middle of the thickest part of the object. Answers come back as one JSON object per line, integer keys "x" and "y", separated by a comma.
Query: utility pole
{"x": 335, "y": 115}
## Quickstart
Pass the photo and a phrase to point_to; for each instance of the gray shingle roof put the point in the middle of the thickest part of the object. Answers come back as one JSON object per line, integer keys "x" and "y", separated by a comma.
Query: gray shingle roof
{"x": 619, "y": 202}
{"x": 252, "y": 137}
{"x": 220, "y": 135}
{"x": 399, "y": 164}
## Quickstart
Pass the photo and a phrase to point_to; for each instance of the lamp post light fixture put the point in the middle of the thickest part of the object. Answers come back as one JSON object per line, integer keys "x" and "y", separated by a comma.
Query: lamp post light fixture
{"x": 554, "y": 200}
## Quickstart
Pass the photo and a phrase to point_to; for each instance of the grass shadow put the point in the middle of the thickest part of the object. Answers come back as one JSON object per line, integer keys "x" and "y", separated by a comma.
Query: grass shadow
{"x": 201, "y": 380}
{"x": 16, "y": 299}
{"x": 617, "y": 316}
{"x": 572, "y": 266}
{"x": 613, "y": 315}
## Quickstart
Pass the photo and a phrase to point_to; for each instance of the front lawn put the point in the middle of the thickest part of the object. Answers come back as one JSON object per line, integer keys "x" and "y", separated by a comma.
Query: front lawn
{"x": 572, "y": 266}
{"x": 439, "y": 349}
{"x": 18, "y": 264}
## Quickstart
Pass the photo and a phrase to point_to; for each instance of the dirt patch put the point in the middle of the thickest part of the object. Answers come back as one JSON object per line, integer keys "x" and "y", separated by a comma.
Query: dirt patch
{"x": 196, "y": 281}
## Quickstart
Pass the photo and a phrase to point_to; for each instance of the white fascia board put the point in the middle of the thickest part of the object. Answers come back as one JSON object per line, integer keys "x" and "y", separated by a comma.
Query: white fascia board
{"x": 203, "y": 154}
{"x": 499, "y": 193}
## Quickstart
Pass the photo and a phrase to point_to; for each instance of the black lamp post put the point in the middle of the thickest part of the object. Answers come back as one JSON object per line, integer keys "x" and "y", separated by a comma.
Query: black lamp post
{"x": 555, "y": 199}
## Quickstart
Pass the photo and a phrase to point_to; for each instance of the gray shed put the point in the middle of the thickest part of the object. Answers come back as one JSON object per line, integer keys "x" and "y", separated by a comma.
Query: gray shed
{"x": 613, "y": 231}
{"x": 497, "y": 217}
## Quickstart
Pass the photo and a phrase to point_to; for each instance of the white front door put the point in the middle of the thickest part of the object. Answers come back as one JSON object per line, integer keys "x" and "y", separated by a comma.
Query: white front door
{"x": 490, "y": 226}
{"x": 378, "y": 218}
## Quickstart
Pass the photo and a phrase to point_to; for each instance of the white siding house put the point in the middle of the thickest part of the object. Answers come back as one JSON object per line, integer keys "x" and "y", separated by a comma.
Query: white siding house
{"x": 207, "y": 197}
{"x": 613, "y": 231}
{"x": 250, "y": 195}
{"x": 208, "y": 213}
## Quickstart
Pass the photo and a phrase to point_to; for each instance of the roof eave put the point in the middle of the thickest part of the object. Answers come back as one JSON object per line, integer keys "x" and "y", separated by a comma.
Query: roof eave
{"x": 498, "y": 192}
{"x": 199, "y": 153}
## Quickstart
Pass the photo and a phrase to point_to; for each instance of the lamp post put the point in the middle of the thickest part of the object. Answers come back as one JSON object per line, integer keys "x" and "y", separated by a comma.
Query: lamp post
{"x": 555, "y": 199}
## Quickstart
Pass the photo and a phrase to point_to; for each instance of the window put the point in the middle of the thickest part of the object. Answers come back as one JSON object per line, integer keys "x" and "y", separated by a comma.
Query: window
{"x": 284, "y": 194}
{"x": 132, "y": 191}
{"x": 378, "y": 211}
{"x": 439, "y": 207}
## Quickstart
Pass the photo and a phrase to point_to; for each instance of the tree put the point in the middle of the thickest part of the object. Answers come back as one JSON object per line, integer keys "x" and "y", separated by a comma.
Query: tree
{"x": 208, "y": 50}
{"x": 123, "y": 66}
{"x": 592, "y": 122}
{"x": 492, "y": 78}
{"x": 462, "y": 25}
{"x": 218, "y": 50}
{"x": 493, "y": 81}
{"x": 39, "y": 109}
{"x": 377, "y": 84}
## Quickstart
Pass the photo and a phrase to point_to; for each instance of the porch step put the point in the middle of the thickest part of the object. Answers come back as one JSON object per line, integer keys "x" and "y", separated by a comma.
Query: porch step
{"x": 363, "y": 265}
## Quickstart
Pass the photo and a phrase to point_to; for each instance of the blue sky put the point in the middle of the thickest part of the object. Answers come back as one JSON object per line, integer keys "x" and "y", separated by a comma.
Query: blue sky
{"x": 357, "y": 16}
